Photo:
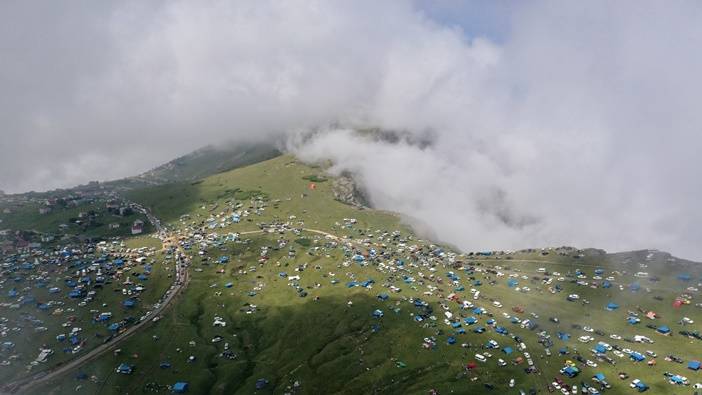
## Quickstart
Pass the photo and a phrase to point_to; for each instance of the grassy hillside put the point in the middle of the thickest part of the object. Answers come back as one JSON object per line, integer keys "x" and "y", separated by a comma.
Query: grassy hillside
{"x": 333, "y": 331}
{"x": 203, "y": 162}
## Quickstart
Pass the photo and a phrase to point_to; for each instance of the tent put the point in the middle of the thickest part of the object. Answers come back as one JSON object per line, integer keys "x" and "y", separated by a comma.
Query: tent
{"x": 123, "y": 368}
{"x": 684, "y": 277}
{"x": 180, "y": 387}
{"x": 640, "y": 386}
{"x": 635, "y": 356}
{"x": 677, "y": 379}
{"x": 663, "y": 329}
{"x": 512, "y": 283}
{"x": 470, "y": 320}
{"x": 570, "y": 371}
{"x": 612, "y": 306}
{"x": 507, "y": 350}
{"x": 598, "y": 377}
{"x": 694, "y": 365}
{"x": 600, "y": 348}
{"x": 129, "y": 303}
{"x": 633, "y": 320}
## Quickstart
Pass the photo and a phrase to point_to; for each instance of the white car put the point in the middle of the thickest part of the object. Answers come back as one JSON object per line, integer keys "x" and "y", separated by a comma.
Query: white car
{"x": 615, "y": 337}
{"x": 480, "y": 357}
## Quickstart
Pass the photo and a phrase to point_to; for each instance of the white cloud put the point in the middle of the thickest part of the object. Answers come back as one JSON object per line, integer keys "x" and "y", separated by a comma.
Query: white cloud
{"x": 579, "y": 127}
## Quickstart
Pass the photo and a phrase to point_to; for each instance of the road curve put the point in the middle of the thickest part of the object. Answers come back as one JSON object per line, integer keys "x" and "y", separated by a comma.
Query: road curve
{"x": 43, "y": 377}
{"x": 182, "y": 279}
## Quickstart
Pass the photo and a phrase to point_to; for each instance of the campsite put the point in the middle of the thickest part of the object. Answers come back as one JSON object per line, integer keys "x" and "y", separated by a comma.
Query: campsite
{"x": 292, "y": 291}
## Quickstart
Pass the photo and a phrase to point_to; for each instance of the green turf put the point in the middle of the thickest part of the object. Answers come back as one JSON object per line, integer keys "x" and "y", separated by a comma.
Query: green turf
{"x": 326, "y": 345}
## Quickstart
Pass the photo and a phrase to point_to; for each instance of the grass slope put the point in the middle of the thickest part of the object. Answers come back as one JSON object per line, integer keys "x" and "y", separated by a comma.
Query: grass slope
{"x": 329, "y": 342}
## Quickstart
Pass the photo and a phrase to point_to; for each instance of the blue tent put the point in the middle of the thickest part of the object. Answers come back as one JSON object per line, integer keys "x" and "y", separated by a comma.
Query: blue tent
{"x": 600, "y": 348}
{"x": 663, "y": 329}
{"x": 113, "y": 327}
{"x": 180, "y": 387}
{"x": 451, "y": 340}
{"x": 606, "y": 284}
{"x": 507, "y": 350}
{"x": 571, "y": 371}
{"x": 377, "y": 313}
{"x": 479, "y": 329}
{"x": 641, "y": 386}
{"x": 129, "y": 303}
{"x": 634, "y": 287}
{"x": 501, "y": 330}
{"x": 74, "y": 294}
{"x": 383, "y": 296}
{"x": 563, "y": 351}
{"x": 599, "y": 377}
{"x": 477, "y": 310}
{"x": 693, "y": 365}
{"x": 456, "y": 324}
{"x": 124, "y": 368}
{"x": 633, "y": 320}
{"x": 677, "y": 379}
{"x": 470, "y": 320}
{"x": 261, "y": 383}
{"x": 564, "y": 336}
{"x": 684, "y": 277}
{"x": 512, "y": 283}
{"x": 635, "y": 356}
{"x": 612, "y": 306}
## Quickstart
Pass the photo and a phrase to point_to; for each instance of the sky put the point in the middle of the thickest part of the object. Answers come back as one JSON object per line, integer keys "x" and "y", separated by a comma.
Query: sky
{"x": 549, "y": 123}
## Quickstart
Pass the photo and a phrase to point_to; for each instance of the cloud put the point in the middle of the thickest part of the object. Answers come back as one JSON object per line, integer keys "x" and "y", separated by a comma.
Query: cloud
{"x": 577, "y": 125}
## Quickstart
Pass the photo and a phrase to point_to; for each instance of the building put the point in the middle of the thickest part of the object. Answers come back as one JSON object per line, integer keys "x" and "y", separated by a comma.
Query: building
{"x": 137, "y": 227}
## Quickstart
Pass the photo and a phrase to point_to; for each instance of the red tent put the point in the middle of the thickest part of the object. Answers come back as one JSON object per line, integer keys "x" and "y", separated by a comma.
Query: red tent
{"x": 471, "y": 365}
{"x": 677, "y": 303}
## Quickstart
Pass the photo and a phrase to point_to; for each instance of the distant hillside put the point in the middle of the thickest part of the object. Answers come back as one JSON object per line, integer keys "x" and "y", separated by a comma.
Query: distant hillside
{"x": 209, "y": 160}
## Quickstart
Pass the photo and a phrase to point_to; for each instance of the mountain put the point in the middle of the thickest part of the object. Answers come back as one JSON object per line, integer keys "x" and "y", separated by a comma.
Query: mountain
{"x": 209, "y": 160}
{"x": 294, "y": 286}
{"x": 291, "y": 290}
